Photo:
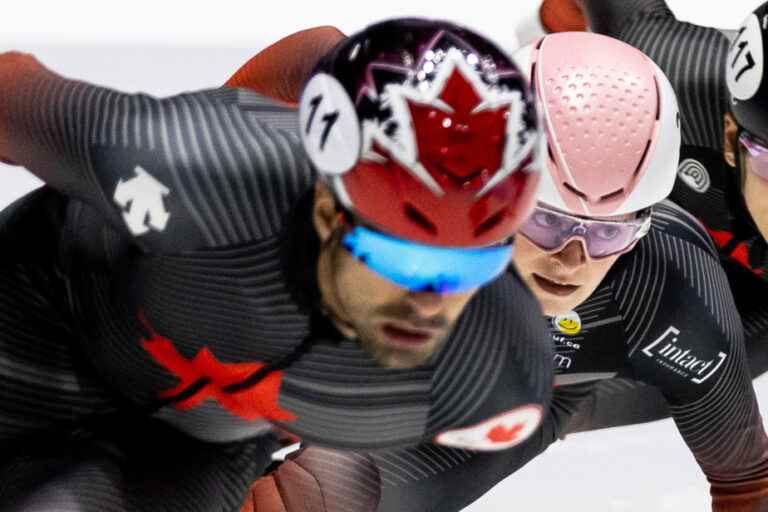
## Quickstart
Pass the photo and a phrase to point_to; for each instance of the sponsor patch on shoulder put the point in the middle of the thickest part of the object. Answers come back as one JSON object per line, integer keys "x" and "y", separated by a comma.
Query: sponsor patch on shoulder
{"x": 498, "y": 433}
{"x": 141, "y": 199}
{"x": 681, "y": 359}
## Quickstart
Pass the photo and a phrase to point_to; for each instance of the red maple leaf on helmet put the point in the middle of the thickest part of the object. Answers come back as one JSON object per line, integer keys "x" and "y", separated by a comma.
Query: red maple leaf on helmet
{"x": 254, "y": 402}
{"x": 502, "y": 434}
{"x": 463, "y": 143}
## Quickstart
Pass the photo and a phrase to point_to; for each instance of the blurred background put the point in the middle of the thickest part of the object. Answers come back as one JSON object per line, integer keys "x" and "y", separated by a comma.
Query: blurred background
{"x": 164, "y": 48}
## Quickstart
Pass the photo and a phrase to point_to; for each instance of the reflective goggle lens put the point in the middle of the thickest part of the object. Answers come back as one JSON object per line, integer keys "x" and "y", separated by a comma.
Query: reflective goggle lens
{"x": 551, "y": 230}
{"x": 426, "y": 268}
{"x": 757, "y": 154}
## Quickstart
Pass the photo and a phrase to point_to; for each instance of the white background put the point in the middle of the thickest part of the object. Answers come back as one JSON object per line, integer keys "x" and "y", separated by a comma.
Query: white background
{"x": 165, "y": 47}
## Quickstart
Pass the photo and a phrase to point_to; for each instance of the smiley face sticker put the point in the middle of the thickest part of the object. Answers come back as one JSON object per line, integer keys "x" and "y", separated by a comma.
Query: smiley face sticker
{"x": 569, "y": 323}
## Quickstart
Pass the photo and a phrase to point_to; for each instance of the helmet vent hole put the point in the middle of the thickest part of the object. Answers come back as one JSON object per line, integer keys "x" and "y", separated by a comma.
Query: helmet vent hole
{"x": 420, "y": 219}
{"x": 575, "y": 190}
{"x": 490, "y": 223}
{"x": 642, "y": 159}
{"x": 549, "y": 151}
{"x": 611, "y": 195}
{"x": 658, "y": 98}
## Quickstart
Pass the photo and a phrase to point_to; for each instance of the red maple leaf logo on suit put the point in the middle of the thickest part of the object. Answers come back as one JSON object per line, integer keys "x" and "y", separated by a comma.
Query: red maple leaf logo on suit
{"x": 259, "y": 401}
{"x": 502, "y": 434}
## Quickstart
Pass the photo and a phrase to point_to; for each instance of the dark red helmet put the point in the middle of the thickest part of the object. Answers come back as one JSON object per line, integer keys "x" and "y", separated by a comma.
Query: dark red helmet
{"x": 427, "y": 131}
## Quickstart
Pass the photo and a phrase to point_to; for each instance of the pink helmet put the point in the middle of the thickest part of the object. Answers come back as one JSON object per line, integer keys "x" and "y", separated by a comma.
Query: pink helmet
{"x": 612, "y": 124}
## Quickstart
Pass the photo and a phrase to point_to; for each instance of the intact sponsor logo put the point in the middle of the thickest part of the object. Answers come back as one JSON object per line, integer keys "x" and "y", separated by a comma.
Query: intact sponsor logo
{"x": 680, "y": 360}
{"x": 498, "y": 433}
{"x": 141, "y": 199}
{"x": 694, "y": 174}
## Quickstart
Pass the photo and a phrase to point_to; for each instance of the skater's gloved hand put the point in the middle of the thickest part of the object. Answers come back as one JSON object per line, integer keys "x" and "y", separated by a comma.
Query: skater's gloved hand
{"x": 317, "y": 480}
{"x": 281, "y": 70}
{"x": 562, "y": 16}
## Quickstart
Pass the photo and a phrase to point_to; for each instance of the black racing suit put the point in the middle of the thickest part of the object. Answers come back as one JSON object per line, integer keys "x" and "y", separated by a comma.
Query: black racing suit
{"x": 168, "y": 270}
{"x": 631, "y": 326}
{"x": 694, "y": 59}
{"x": 662, "y": 318}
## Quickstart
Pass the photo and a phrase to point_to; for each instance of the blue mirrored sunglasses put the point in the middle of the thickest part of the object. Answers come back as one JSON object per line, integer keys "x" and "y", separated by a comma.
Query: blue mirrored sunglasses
{"x": 426, "y": 268}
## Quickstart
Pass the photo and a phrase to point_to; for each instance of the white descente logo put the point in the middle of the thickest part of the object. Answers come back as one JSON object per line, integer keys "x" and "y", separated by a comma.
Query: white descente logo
{"x": 665, "y": 351}
{"x": 141, "y": 198}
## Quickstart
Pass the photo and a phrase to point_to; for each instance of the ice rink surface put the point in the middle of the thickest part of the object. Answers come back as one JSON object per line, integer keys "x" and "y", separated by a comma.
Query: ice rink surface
{"x": 169, "y": 47}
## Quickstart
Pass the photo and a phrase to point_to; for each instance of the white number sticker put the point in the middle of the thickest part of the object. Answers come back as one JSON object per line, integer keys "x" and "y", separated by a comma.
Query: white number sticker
{"x": 329, "y": 125}
{"x": 744, "y": 64}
